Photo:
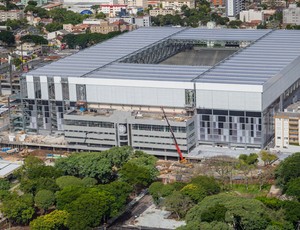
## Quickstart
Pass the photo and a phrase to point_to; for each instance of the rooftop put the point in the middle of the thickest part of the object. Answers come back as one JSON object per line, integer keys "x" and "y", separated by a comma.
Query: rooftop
{"x": 269, "y": 53}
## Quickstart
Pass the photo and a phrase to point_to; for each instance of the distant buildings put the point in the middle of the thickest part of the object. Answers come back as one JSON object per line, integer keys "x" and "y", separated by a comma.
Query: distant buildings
{"x": 156, "y": 12}
{"x": 291, "y": 15}
{"x": 177, "y": 4}
{"x": 251, "y": 15}
{"x": 217, "y": 2}
{"x": 112, "y": 9}
{"x": 287, "y": 127}
{"x": 28, "y": 49}
{"x": 139, "y": 21}
{"x": 12, "y": 15}
{"x": 234, "y": 7}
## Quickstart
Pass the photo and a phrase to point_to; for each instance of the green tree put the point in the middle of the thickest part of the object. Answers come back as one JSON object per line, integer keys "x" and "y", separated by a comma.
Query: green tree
{"x": 194, "y": 191}
{"x": 178, "y": 203}
{"x": 4, "y": 184}
{"x": 56, "y": 220}
{"x": 235, "y": 24}
{"x": 44, "y": 199}
{"x": 287, "y": 170}
{"x": 250, "y": 159}
{"x": 17, "y": 210}
{"x": 214, "y": 213}
{"x": 35, "y": 39}
{"x": 54, "y": 26}
{"x": 243, "y": 213}
{"x": 68, "y": 195}
{"x": 100, "y": 15}
{"x": 88, "y": 182}
{"x": 267, "y": 157}
{"x": 121, "y": 191}
{"x": 89, "y": 210}
{"x": 137, "y": 176}
{"x": 32, "y": 3}
{"x": 293, "y": 188}
{"x": 65, "y": 181}
{"x": 7, "y": 37}
{"x": 209, "y": 184}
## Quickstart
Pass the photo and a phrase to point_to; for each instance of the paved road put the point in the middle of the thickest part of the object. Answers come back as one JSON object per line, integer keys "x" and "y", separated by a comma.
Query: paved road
{"x": 129, "y": 217}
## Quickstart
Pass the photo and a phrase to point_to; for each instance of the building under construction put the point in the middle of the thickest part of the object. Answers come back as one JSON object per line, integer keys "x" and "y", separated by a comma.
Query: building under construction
{"x": 111, "y": 94}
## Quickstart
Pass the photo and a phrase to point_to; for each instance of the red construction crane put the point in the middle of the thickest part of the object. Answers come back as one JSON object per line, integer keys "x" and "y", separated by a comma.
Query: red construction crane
{"x": 174, "y": 138}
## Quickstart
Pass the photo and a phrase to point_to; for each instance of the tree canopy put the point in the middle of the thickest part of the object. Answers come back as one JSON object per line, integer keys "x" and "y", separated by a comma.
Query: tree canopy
{"x": 7, "y": 37}
{"x": 36, "y": 39}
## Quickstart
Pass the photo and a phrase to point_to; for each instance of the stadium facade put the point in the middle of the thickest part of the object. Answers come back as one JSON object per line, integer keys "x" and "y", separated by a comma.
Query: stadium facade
{"x": 121, "y": 86}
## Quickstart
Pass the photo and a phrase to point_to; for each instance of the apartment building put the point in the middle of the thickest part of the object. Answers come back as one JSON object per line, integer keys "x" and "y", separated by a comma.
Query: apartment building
{"x": 287, "y": 126}
{"x": 112, "y": 9}
{"x": 177, "y": 4}
{"x": 156, "y": 12}
{"x": 251, "y": 15}
{"x": 291, "y": 15}
{"x": 104, "y": 28}
{"x": 28, "y": 49}
{"x": 234, "y": 7}
{"x": 12, "y": 15}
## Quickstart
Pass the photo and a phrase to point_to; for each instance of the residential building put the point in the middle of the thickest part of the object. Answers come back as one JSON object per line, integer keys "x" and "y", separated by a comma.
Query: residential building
{"x": 80, "y": 28}
{"x": 52, "y": 6}
{"x": 217, "y": 2}
{"x": 287, "y": 126}
{"x": 28, "y": 49}
{"x": 291, "y": 15}
{"x": 12, "y": 15}
{"x": 155, "y": 12}
{"x": 177, "y": 4}
{"x": 251, "y": 15}
{"x": 54, "y": 34}
{"x": 104, "y": 28}
{"x": 142, "y": 21}
{"x": 234, "y": 7}
{"x": 112, "y": 9}
{"x": 137, "y": 3}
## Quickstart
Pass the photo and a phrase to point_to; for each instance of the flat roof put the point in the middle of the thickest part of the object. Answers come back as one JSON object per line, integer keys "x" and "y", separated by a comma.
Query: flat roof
{"x": 269, "y": 52}
{"x": 8, "y": 167}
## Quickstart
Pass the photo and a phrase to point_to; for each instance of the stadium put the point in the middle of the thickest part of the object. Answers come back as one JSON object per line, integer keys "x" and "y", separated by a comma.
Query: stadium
{"x": 218, "y": 87}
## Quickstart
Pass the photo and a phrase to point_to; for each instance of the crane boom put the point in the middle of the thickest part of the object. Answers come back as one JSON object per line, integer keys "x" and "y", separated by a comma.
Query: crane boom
{"x": 173, "y": 135}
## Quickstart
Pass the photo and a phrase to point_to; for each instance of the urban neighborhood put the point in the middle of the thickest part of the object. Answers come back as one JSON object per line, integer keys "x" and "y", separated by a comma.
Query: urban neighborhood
{"x": 150, "y": 114}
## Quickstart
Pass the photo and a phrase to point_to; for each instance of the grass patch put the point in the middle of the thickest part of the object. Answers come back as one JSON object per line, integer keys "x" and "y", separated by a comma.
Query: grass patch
{"x": 252, "y": 191}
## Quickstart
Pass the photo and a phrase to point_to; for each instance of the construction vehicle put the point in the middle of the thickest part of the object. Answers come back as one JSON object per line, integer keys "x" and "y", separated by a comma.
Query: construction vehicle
{"x": 182, "y": 159}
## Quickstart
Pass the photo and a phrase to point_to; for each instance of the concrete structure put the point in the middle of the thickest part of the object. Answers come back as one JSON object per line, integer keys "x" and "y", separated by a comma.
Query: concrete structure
{"x": 155, "y": 12}
{"x": 291, "y": 15}
{"x": 287, "y": 126}
{"x": 8, "y": 167}
{"x": 230, "y": 103}
{"x": 251, "y": 15}
{"x": 54, "y": 34}
{"x": 177, "y": 4}
{"x": 105, "y": 128}
{"x": 28, "y": 49}
{"x": 12, "y": 15}
{"x": 234, "y": 7}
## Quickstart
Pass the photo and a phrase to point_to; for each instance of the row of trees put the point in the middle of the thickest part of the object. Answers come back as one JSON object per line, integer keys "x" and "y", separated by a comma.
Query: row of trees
{"x": 79, "y": 192}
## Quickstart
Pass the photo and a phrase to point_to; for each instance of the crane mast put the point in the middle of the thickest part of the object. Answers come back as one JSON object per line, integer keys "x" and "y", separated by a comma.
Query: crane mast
{"x": 173, "y": 136}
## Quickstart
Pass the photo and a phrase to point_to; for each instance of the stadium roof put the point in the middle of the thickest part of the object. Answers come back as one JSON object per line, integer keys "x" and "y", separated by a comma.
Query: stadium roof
{"x": 269, "y": 53}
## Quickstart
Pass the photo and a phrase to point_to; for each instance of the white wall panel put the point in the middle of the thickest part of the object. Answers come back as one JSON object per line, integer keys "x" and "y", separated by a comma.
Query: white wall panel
{"x": 30, "y": 87}
{"x": 135, "y": 95}
{"x": 58, "y": 88}
{"x": 72, "y": 92}
{"x": 44, "y": 88}
{"x": 229, "y": 100}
